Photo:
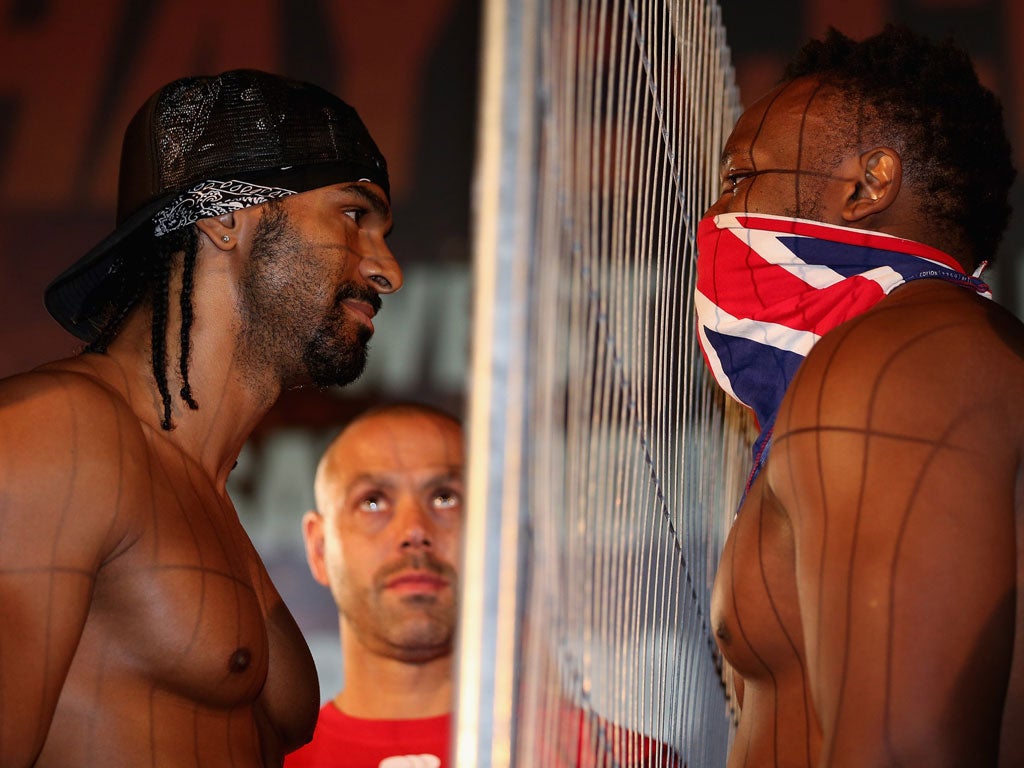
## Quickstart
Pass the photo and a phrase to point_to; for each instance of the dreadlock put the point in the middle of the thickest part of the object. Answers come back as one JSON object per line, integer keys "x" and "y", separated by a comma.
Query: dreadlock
{"x": 925, "y": 99}
{"x": 152, "y": 282}
{"x": 185, "y": 336}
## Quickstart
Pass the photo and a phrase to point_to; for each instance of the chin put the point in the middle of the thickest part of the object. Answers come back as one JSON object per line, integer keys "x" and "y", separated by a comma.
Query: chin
{"x": 420, "y": 650}
{"x": 423, "y": 627}
{"x": 335, "y": 364}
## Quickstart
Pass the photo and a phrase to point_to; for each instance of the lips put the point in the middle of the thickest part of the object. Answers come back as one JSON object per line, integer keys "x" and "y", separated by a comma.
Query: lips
{"x": 416, "y": 581}
{"x": 362, "y": 310}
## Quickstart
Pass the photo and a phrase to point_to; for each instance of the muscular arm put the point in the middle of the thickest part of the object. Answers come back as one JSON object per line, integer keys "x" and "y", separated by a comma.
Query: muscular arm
{"x": 59, "y": 506}
{"x": 894, "y": 458}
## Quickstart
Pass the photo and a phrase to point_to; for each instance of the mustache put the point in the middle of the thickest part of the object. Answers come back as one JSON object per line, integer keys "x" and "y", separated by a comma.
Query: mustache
{"x": 418, "y": 561}
{"x": 359, "y": 293}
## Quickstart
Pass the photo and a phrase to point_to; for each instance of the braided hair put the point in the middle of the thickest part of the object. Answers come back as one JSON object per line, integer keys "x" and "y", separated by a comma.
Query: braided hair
{"x": 152, "y": 284}
{"x": 924, "y": 98}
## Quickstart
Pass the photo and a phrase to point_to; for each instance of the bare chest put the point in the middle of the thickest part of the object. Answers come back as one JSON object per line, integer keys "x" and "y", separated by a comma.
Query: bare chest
{"x": 756, "y": 617}
{"x": 754, "y": 603}
{"x": 180, "y": 606}
{"x": 187, "y": 647}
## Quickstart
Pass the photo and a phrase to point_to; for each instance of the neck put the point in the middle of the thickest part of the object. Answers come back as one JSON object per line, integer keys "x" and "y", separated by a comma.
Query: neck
{"x": 231, "y": 398}
{"x": 381, "y": 687}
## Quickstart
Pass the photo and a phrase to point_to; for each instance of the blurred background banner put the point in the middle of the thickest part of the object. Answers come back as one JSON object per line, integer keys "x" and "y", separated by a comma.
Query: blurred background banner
{"x": 72, "y": 73}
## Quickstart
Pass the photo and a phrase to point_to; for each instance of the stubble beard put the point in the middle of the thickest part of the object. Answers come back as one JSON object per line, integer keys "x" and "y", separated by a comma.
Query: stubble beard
{"x": 336, "y": 353}
{"x": 282, "y": 291}
{"x": 811, "y": 210}
{"x": 411, "y": 628}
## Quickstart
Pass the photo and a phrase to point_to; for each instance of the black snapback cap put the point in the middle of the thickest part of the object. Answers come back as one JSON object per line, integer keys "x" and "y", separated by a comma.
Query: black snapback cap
{"x": 244, "y": 125}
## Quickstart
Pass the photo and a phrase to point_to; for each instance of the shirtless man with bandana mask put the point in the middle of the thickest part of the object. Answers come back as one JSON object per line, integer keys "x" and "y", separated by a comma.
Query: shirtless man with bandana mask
{"x": 140, "y": 627}
{"x": 870, "y": 596}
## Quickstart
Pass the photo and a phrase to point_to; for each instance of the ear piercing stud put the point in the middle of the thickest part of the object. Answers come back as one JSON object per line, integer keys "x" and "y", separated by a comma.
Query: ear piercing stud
{"x": 225, "y": 238}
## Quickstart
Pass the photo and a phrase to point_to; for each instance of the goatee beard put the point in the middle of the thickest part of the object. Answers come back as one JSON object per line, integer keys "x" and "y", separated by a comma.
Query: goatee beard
{"x": 336, "y": 354}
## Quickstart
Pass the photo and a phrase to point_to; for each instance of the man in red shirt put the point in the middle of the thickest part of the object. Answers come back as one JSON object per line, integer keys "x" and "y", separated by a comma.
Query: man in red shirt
{"x": 384, "y": 538}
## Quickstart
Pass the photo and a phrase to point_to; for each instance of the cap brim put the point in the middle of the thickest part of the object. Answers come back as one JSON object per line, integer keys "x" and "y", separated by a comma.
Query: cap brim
{"x": 72, "y": 290}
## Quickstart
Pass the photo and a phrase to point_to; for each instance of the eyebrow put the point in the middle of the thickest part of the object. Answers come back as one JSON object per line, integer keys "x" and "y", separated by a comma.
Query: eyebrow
{"x": 375, "y": 202}
{"x": 729, "y": 153}
{"x": 452, "y": 475}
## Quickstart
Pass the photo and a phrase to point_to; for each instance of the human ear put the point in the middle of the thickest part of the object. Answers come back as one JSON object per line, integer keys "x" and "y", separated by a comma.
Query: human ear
{"x": 879, "y": 174}
{"x": 226, "y": 231}
{"x": 220, "y": 230}
{"x": 313, "y": 536}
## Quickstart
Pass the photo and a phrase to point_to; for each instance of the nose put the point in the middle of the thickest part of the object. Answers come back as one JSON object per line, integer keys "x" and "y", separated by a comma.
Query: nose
{"x": 416, "y": 528}
{"x": 380, "y": 268}
{"x": 417, "y": 538}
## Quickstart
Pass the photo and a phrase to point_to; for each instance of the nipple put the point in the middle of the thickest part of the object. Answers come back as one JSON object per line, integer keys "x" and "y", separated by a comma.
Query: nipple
{"x": 239, "y": 661}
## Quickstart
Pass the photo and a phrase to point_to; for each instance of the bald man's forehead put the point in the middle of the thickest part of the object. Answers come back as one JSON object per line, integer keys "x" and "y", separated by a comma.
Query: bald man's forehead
{"x": 401, "y": 431}
{"x": 390, "y": 444}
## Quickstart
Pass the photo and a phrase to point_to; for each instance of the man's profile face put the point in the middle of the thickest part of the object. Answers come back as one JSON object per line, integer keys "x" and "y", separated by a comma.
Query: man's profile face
{"x": 311, "y": 285}
{"x": 390, "y": 498}
{"x": 780, "y": 156}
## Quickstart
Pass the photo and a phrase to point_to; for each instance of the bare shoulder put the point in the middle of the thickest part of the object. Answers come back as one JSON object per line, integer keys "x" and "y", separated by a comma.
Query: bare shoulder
{"x": 65, "y": 410}
{"x": 916, "y": 404}
{"x": 930, "y": 361}
{"x": 71, "y": 392}
{"x": 70, "y": 447}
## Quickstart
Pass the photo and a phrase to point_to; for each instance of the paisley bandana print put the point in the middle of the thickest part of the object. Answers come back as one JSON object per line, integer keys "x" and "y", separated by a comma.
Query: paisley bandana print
{"x": 768, "y": 287}
{"x": 213, "y": 198}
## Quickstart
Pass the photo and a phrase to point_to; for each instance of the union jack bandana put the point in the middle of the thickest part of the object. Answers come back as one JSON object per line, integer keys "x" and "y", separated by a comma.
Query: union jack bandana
{"x": 768, "y": 287}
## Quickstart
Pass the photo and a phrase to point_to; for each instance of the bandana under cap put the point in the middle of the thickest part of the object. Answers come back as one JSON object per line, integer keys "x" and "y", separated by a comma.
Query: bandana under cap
{"x": 213, "y": 198}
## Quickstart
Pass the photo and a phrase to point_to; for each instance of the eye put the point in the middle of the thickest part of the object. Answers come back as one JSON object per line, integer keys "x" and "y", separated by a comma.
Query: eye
{"x": 732, "y": 182}
{"x": 372, "y": 503}
{"x": 446, "y": 498}
{"x": 355, "y": 214}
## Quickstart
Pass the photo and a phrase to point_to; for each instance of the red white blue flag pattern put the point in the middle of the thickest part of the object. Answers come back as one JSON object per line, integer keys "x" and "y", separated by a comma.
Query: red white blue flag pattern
{"x": 768, "y": 287}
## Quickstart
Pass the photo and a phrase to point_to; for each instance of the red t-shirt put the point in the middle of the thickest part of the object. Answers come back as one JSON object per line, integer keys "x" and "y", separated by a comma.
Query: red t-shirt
{"x": 353, "y": 742}
{"x": 577, "y": 739}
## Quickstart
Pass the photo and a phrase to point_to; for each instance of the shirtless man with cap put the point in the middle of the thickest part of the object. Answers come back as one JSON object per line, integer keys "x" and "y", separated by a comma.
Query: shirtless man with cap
{"x": 140, "y": 626}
